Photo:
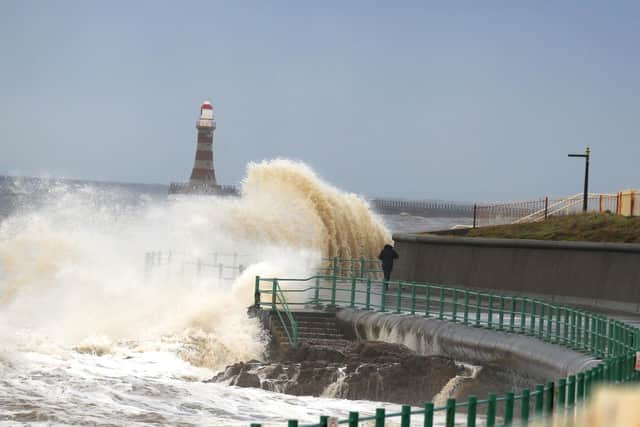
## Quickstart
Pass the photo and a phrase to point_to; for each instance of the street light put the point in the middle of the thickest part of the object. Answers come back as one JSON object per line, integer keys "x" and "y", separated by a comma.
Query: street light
{"x": 586, "y": 156}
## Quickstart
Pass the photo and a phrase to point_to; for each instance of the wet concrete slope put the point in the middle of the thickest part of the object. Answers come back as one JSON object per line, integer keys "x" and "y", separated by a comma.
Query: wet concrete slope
{"x": 526, "y": 357}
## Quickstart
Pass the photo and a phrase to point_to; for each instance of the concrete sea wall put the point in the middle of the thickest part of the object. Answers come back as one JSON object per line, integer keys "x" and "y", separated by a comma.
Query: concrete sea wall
{"x": 591, "y": 274}
{"x": 524, "y": 356}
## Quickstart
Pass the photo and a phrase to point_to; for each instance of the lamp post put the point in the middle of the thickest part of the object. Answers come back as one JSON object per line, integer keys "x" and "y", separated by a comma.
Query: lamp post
{"x": 586, "y": 156}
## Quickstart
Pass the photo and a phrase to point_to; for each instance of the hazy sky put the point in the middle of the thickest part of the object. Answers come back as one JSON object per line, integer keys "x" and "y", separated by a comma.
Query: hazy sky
{"x": 454, "y": 100}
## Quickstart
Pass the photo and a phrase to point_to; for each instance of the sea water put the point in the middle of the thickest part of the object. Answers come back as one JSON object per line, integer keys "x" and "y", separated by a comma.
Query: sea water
{"x": 87, "y": 337}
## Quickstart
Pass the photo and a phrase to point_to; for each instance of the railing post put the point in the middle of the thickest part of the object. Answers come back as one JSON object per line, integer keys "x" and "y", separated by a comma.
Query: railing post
{"x": 324, "y": 421}
{"x": 550, "y": 397}
{"x": 292, "y": 423}
{"x": 478, "y": 304}
{"x": 274, "y": 295}
{"x": 600, "y": 373}
{"x": 353, "y": 291}
{"x": 587, "y": 383}
{"x": 427, "y": 300}
{"x": 523, "y": 315}
{"x": 571, "y": 398}
{"x": 380, "y": 417}
{"x": 466, "y": 308}
{"x": 580, "y": 395}
{"x": 399, "y": 298}
{"x": 549, "y": 324}
{"x": 508, "y": 408}
{"x": 512, "y": 314}
{"x": 353, "y": 419}
{"x": 405, "y": 416}
{"x": 558, "y": 311}
{"x": 562, "y": 392}
{"x": 256, "y": 293}
{"x": 451, "y": 413}
{"x": 609, "y": 338}
{"x": 490, "y": 311}
{"x": 572, "y": 328}
{"x": 471, "y": 411}
{"x": 524, "y": 408}
{"x": 501, "y": 314}
{"x": 566, "y": 325}
{"x": 428, "y": 415}
{"x": 597, "y": 336}
{"x": 491, "y": 410}
{"x": 383, "y": 297}
{"x": 539, "y": 399}
{"x": 532, "y": 329}
{"x": 600, "y": 204}
{"x": 317, "y": 291}
{"x": 441, "y": 304}
{"x": 413, "y": 298}
{"x": 475, "y": 215}
{"x": 546, "y": 207}
{"x": 368, "y": 301}
{"x": 579, "y": 330}
{"x": 454, "y": 308}
{"x": 334, "y": 280}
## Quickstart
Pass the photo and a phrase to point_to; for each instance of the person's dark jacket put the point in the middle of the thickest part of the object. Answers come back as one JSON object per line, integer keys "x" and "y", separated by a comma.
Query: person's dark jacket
{"x": 387, "y": 255}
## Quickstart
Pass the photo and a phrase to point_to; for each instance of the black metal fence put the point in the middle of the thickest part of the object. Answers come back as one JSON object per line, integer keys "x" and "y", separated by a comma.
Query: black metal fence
{"x": 433, "y": 208}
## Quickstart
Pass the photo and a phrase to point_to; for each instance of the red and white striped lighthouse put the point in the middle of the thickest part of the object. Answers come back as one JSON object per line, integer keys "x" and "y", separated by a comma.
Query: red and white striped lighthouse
{"x": 203, "y": 172}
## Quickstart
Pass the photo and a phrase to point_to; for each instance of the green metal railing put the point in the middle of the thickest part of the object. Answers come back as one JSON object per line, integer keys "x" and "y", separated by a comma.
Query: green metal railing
{"x": 610, "y": 340}
{"x": 281, "y": 307}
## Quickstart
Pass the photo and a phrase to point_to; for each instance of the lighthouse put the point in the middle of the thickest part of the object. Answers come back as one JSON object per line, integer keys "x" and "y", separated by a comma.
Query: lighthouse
{"x": 203, "y": 173}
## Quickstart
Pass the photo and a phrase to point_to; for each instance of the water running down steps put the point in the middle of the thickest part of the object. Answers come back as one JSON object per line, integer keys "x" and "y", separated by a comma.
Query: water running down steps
{"x": 314, "y": 327}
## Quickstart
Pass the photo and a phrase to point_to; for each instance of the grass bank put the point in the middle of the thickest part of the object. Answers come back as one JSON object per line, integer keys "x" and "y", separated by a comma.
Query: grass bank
{"x": 587, "y": 227}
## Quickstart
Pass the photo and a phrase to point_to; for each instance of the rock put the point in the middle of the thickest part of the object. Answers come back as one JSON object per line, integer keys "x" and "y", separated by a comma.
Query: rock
{"x": 272, "y": 372}
{"x": 246, "y": 379}
{"x": 363, "y": 370}
{"x": 314, "y": 352}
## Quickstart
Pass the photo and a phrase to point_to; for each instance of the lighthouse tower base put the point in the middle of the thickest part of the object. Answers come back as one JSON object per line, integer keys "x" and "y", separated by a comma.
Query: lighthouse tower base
{"x": 203, "y": 189}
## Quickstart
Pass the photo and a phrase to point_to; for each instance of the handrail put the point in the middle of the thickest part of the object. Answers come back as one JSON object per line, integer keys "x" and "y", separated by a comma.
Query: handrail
{"x": 278, "y": 300}
{"x": 610, "y": 340}
{"x": 549, "y": 210}
{"x": 560, "y": 205}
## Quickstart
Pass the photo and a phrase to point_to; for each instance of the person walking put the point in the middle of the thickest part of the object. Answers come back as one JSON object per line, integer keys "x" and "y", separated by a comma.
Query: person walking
{"x": 387, "y": 256}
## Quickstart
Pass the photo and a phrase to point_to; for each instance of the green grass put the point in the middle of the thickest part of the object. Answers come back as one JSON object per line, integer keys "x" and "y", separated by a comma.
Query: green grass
{"x": 588, "y": 227}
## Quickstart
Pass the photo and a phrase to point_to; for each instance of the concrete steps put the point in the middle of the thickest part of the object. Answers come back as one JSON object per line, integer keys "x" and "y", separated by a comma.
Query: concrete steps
{"x": 313, "y": 327}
